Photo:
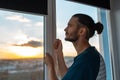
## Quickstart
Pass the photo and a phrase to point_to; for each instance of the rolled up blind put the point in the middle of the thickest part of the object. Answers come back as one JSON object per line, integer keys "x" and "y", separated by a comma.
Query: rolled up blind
{"x": 32, "y": 6}
{"x": 98, "y": 3}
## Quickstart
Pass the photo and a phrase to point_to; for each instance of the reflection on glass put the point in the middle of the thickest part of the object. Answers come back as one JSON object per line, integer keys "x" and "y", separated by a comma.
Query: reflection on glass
{"x": 21, "y": 46}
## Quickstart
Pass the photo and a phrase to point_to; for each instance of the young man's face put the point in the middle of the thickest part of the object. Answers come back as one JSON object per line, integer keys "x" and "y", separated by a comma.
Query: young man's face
{"x": 72, "y": 29}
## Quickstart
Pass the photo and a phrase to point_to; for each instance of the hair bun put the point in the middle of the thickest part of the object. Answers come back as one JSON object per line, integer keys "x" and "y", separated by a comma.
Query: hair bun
{"x": 99, "y": 27}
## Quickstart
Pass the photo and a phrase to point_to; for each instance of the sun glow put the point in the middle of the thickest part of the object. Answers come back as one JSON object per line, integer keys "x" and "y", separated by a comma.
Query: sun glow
{"x": 27, "y": 52}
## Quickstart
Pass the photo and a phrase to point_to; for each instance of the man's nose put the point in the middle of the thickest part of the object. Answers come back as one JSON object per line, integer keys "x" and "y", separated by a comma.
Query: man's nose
{"x": 65, "y": 29}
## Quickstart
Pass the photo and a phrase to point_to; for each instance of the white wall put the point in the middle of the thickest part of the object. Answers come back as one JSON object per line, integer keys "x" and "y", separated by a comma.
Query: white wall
{"x": 115, "y": 37}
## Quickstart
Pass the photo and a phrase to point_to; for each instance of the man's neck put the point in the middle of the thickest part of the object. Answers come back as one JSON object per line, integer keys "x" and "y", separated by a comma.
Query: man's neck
{"x": 81, "y": 45}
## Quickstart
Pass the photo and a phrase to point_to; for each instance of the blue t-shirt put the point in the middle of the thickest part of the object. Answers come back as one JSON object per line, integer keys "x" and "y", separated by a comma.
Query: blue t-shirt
{"x": 85, "y": 66}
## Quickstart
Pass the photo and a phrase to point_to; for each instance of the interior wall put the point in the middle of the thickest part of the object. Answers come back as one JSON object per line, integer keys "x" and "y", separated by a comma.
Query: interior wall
{"x": 115, "y": 37}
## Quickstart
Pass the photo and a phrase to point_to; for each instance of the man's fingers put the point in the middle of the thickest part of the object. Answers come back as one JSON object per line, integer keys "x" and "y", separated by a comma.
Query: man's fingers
{"x": 56, "y": 44}
{"x": 47, "y": 57}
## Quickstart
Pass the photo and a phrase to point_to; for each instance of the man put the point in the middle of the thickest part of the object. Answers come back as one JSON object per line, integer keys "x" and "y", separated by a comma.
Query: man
{"x": 88, "y": 64}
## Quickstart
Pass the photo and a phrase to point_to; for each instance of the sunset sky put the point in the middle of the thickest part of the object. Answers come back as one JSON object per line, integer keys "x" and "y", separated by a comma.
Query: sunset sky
{"x": 22, "y": 34}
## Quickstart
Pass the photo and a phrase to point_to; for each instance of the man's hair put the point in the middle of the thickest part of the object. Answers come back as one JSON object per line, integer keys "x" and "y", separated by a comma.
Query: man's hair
{"x": 90, "y": 24}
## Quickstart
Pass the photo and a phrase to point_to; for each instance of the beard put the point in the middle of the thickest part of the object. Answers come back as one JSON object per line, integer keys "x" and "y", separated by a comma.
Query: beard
{"x": 73, "y": 38}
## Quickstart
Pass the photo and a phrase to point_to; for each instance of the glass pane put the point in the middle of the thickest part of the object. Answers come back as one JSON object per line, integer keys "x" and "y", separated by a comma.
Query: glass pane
{"x": 65, "y": 10}
{"x": 21, "y": 46}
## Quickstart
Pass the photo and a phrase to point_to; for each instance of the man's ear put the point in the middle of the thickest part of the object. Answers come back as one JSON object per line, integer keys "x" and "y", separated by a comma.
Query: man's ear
{"x": 82, "y": 31}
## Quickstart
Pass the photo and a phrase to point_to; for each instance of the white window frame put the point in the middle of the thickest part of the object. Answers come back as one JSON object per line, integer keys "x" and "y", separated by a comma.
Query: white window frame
{"x": 49, "y": 30}
{"x": 105, "y": 41}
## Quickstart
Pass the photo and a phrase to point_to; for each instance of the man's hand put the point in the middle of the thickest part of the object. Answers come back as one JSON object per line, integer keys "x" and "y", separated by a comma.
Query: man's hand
{"x": 49, "y": 60}
{"x": 50, "y": 64}
{"x": 56, "y": 44}
{"x": 60, "y": 65}
{"x": 57, "y": 47}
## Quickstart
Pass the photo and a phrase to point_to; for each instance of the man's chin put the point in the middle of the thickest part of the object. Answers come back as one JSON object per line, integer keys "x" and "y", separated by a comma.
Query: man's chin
{"x": 66, "y": 39}
{"x": 71, "y": 39}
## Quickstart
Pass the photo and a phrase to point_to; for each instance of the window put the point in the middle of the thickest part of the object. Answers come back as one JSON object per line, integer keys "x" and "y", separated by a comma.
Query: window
{"x": 21, "y": 46}
{"x": 64, "y": 11}
{"x": 21, "y": 39}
